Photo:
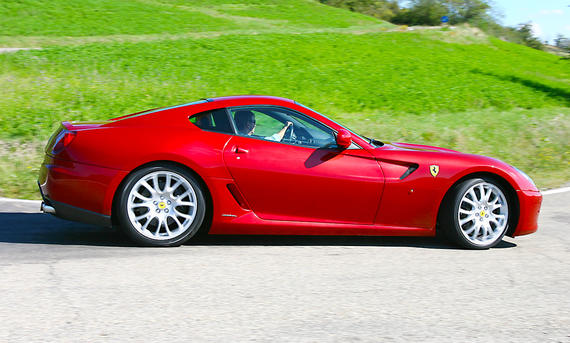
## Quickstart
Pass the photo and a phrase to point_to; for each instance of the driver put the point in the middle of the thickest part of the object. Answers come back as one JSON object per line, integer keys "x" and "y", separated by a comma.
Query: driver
{"x": 245, "y": 124}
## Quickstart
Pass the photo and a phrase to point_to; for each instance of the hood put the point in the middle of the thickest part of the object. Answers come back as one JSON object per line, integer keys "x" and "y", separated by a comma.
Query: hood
{"x": 415, "y": 147}
{"x": 406, "y": 153}
{"x": 453, "y": 164}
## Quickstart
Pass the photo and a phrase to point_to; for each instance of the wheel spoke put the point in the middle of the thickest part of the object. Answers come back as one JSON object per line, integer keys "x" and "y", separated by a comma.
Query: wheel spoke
{"x": 481, "y": 192}
{"x": 470, "y": 202}
{"x": 155, "y": 181}
{"x": 485, "y": 232}
{"x": 476, "y": 231}
{"x": 184, "y": 215}
{"x": 492, "y": 220}
{"x": 167, "y": 184}
{"x": 466, "y": 219}
{"x": 145, "y": 226}
{"x": 183, "y": 195}
{"x": 467, "y": 232}
{"x": 159, "y": 226}
{"x": 140, "y": 196}
{"x": 495, "y": 206}
{"x": 180, "y": 226}
{"x": 473, "y": 196}
{"x": 141, "y": 217}
{"x": 173, "y": 188}
{"x": 166, "y": 227}
{"x": 185, "y": 203}
{"x": 148, "y": 187}
{"x": 488, "y": 195}
{"x": 146, "y": 204}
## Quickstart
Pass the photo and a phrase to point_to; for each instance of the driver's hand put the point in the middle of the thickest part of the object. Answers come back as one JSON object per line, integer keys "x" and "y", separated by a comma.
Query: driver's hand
{"x": 289, "y": 124}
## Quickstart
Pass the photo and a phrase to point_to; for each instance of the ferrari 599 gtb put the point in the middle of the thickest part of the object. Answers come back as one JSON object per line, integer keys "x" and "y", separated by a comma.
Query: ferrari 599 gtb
{"x": 268, "y": 165}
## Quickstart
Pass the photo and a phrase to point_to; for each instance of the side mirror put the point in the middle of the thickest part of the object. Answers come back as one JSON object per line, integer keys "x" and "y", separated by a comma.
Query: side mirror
{"x": 343, "y": 139}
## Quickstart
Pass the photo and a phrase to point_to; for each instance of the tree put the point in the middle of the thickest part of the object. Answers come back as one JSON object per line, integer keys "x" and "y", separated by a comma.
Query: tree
{"x": 525, "y": 32}
{"x": 429, "y": 12}
{"x": 562, "y": 42}
{"x": 422, "y": 12}
{"x": 381, "y": 9}
{"x": 463, "y": 11}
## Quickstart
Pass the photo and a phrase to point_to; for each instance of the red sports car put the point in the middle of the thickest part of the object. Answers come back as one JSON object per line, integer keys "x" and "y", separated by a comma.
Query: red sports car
{"x": 268, "y": 165}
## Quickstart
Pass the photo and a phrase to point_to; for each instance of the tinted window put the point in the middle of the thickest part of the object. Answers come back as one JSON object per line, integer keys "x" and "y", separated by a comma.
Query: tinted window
{"x": 215, "y": 120}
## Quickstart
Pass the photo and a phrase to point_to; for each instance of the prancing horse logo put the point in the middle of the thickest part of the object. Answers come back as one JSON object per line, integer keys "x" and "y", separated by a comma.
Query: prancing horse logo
{"x": 434, "y": 170}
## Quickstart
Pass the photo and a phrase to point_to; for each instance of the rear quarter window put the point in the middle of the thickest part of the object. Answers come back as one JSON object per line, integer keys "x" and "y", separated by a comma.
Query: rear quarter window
{"x": 213, "y": 120}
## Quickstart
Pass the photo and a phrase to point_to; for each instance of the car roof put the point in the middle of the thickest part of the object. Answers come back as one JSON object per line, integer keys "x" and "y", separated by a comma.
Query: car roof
{"x": 223, "y": 101}
{"x": 259, "y": 98}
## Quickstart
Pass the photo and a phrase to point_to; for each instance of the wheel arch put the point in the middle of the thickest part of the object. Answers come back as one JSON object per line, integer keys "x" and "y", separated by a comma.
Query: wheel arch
{"x": 166, "y": 163}
{"x": 511, "y": 194}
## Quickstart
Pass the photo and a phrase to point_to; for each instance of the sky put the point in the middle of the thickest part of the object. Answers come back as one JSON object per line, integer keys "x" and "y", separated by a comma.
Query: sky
{"x": 549, "y": 17}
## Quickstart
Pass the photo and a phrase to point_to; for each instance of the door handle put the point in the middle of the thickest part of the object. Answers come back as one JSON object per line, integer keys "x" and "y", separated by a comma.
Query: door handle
{"x": 241, "y": 150}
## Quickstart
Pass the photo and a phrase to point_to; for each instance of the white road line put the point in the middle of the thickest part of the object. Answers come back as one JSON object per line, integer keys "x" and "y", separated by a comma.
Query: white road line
{"x": 556, "y": 191}
{"x": 22, "y": 201}
{"x": 8, "y": 50}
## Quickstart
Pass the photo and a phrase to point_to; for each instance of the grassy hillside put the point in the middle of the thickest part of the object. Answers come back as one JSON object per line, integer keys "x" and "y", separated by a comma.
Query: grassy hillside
{"x": 469, "y": 93}
{"x": 85, "y": 18}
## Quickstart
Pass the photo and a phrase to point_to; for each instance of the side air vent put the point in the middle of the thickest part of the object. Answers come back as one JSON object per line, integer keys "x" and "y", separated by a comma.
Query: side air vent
{"x": 410, "y": 170}
{"x": 237, "y": 195}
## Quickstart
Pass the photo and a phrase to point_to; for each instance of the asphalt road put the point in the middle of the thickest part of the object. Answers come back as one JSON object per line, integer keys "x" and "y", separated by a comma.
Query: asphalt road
{"x": 61, "y": 281}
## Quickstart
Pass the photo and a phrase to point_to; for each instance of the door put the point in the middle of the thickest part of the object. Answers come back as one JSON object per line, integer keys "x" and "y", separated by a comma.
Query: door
{"x": 297, "y": 173}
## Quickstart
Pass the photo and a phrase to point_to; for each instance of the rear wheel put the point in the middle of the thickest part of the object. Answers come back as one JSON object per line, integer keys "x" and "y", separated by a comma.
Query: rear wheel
{"x": 161, "y": 206}
{"x": 477, "y": 214}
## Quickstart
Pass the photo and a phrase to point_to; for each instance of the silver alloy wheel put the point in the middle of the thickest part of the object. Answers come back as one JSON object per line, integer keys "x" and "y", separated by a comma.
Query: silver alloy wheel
{"x": 483, "y": 213}
{"x": 162, "y": 205}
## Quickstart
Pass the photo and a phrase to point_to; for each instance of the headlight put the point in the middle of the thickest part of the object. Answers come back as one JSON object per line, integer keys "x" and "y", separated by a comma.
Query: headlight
{"x": 525, "y": 176}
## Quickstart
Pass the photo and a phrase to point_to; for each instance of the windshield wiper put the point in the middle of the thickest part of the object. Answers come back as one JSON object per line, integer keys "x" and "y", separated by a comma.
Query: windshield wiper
{"x": 373, "y": 141}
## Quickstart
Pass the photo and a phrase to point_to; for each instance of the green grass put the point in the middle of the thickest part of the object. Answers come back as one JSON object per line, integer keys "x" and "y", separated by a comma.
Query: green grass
{"x": 388, "y": 73}
{"x": 19, "y": 166}
{"x": 457, "y": 89}
{"x": 286, "y": 12}
{"x": 136, "y": 17}
{"x": 100, "y": 17}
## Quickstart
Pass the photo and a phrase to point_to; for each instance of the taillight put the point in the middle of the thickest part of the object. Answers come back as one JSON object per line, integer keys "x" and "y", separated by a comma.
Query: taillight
{"x": 63, "y": 139}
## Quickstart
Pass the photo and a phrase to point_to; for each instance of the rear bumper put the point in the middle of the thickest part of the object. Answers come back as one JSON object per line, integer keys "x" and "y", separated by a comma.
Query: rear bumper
{"x": 75, "y": 214}
{"x": 529, "y": 205}
{"x": 77, "y": 191}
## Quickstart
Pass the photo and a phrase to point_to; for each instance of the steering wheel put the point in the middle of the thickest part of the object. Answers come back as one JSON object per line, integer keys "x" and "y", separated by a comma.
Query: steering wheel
{"x": 290, "y": 133}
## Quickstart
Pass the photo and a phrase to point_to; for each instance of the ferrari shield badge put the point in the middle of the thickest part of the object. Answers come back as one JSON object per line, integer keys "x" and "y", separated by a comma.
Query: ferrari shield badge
{"x": 434, "y": 170}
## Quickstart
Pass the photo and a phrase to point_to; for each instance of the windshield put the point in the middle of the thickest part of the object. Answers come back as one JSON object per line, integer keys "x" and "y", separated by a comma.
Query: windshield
{"x": 369, "y": 140}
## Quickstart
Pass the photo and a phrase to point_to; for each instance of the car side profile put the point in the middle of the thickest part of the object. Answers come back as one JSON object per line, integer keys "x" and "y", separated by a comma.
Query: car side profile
{"x": 271, "y": 166}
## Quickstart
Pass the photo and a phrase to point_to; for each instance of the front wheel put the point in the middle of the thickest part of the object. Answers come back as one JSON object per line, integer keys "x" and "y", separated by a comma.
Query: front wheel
{"x": 477, "y": 215}
{"x": 161, "y": 206}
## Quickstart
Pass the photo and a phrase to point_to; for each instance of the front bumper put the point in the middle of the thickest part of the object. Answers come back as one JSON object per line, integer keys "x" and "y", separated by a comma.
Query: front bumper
{"x": 529, "y": 208}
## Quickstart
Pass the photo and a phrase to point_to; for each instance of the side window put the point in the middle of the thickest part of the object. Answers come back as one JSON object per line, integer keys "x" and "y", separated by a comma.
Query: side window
{"x": 215, "y": 120}
{"x": 281, "y": 125}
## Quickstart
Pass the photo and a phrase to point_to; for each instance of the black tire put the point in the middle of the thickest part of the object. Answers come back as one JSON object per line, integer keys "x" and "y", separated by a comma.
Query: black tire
{"x": 450, "y": 215}
{"x": 141, "y": 236}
